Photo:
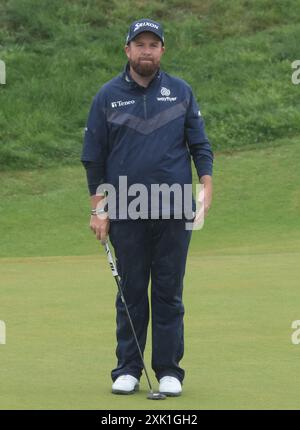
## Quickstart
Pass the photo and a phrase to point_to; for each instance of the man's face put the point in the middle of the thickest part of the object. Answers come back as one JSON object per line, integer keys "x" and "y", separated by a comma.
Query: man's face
{"x": 144, "y": 53}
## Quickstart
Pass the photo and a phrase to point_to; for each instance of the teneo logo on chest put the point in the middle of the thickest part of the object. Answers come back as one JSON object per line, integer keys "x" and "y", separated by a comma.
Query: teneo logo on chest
{"x": 121, "y": 103}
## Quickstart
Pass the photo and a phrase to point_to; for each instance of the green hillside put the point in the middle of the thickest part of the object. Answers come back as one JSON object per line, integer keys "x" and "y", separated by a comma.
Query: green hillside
{"x": 236, "y": 55}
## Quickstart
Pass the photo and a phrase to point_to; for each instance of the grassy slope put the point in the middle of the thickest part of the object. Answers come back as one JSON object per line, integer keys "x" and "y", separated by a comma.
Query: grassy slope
{"x": 236, "y": 55}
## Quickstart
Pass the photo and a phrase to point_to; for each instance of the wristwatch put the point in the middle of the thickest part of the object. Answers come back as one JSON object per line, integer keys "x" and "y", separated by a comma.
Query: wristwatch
{"x": 98, "y": 211}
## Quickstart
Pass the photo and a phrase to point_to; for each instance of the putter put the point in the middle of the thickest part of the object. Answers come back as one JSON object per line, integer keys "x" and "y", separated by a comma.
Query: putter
{"x": 152, "y": 395}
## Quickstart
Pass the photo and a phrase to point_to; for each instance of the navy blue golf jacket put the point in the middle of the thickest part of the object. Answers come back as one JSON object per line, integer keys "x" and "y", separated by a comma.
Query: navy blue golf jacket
{"x": 147, "y": 134}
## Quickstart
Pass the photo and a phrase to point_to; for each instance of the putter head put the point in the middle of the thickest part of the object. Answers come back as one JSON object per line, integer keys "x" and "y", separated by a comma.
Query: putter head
{"x": 156, "y": 396}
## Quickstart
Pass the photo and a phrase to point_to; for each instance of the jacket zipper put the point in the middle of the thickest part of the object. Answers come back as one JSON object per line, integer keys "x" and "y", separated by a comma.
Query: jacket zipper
{"x": 145, "y": 107}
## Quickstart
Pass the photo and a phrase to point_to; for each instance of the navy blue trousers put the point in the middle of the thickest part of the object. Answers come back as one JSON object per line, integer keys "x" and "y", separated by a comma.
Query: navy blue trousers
{"x": 156, "y": 249}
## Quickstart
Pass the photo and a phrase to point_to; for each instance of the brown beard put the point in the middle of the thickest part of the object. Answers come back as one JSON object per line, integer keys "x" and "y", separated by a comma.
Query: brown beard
{"x": 148, "y": 69}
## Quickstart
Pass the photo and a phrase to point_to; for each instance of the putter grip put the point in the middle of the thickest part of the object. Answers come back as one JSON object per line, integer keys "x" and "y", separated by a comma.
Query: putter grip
{"x": 111, "y": 260}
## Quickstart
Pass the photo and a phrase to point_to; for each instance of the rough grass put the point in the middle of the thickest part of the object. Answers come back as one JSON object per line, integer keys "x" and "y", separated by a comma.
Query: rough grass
{"x": 236, "y": 55}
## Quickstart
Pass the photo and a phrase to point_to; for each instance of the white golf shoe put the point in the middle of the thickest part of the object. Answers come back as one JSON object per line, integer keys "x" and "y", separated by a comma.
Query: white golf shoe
{"x": 125, "y": 384}
{"x": 170, "y": 386}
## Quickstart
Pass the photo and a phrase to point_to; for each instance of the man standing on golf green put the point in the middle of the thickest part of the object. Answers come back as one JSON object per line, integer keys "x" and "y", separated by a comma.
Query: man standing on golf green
{"x": 145, "y": 126}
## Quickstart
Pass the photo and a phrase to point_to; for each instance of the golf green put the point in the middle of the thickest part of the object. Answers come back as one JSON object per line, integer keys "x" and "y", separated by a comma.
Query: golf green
{"x": 60, "y": 322}
{"x": 241, "y": 293}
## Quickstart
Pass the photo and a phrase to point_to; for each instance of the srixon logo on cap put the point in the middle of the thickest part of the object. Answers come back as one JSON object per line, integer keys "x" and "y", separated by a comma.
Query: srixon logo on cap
{"x": 145, "y": 24}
